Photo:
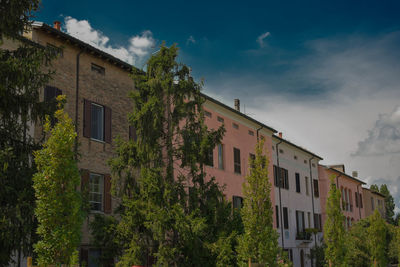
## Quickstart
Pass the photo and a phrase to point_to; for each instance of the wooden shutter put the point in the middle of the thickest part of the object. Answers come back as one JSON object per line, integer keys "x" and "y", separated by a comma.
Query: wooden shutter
{"x": 87, "y": 113}
{"x": 132, "y": 133}
{"x": 107, "y": 124}
{"x": 84, "y": 257}
{"x": 107, "y": 194}
{"x": 85, "y": 174}
{"x": 276, "y": 179}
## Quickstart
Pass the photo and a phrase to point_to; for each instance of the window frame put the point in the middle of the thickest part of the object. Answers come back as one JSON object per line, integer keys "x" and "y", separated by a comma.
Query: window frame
{"x": 237, "y": 166}
{"x": 102, "y": 121}
{"x": 298, "y": 185}
{"x": 221, "y": 164}
{"x": 99, "y": 192}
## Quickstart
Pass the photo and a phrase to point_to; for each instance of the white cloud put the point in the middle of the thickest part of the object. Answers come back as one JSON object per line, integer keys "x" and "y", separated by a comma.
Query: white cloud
{"x": 384, "y": 138}
{"x": 260, "y": 39}
{"x": 191, "y": 40}
{"x": 139, "y": 45}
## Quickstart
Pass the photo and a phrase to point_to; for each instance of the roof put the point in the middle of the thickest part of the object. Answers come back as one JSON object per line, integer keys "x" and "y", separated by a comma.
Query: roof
{"x": 342, "y": 173}
{"x": 83, "y": 45}
{"x": 296, "y": 146}
{"x": 374, "y": 192}
{"x": 238, "y": 112}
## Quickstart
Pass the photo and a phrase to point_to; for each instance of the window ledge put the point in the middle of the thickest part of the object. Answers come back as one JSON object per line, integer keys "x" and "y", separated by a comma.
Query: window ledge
{"x": 97, "y": 140}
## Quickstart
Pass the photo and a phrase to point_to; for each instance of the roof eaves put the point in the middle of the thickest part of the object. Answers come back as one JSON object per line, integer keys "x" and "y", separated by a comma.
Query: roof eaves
{"x": 348, "y": 176}
{"x": 299, "y": 147}
{"x": 238, "y": 112}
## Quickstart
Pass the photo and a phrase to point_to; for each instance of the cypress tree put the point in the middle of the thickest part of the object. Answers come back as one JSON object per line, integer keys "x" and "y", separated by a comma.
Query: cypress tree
{"x": 377, "y": 240}
{"x": 334, "y": 234}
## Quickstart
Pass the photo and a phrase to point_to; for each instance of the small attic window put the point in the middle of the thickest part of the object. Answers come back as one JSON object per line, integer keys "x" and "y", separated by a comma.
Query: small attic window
{"x": 220, "y": 119}
{"x": 295, "y": 157}
{"x": 55, "y": 50}
{"x": 207, "y": 113}
{"x": 305, "y": 161}
{"x": 273, "y": 148}
{"x": 251, "y": 133}
{"x": 313, "y": 165}
{"x": 281, "y": 151}
{"x": 98, "y": 69}
{"x": 234, "y": 125}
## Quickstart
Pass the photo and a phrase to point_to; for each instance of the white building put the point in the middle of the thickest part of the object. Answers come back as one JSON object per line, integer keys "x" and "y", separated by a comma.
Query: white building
{"x": 297, "y": 205}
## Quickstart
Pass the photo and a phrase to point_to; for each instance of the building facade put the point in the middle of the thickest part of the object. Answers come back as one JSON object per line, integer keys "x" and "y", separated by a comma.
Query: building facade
{"x": 374, "y": 200}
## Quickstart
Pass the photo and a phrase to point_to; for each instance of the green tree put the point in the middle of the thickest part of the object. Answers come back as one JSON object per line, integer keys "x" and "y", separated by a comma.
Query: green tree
{"x": 171, "y": 213}
{"x": 59, "y": 204}
{"x": 259, "y": 243}
{"x": 374, "y": 187}
{"x": 357, "y": 249}
{"x": 334, "y": 234}
{"x": 377, "y": 240}
{"x": 21, "y": 78}
{"x": 389, "y": 204}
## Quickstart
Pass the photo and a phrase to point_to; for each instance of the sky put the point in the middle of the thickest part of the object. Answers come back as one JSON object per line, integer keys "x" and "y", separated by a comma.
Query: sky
{"x": 325, "y": 73}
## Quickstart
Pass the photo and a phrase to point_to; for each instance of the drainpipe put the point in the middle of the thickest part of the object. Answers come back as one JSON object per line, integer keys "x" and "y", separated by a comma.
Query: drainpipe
{"x": 77, "y": 100}
{"x": 259, "y": 130}
{"x": 312, "y": 198}
{"x": 279, "y": 188}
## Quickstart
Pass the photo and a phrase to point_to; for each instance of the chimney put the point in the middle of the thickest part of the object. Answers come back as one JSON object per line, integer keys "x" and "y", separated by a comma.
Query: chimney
{"x": 355, "y": 174}
{"x": 280, "y": 134}
{"x": 57, "y": 25}
{"x": 237, "y": 104}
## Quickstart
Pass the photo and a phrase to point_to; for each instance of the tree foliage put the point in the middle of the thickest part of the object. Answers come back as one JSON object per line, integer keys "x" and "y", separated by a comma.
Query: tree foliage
{"x": 259, "y": 243}
{"x": 171, "y": 213}
{"x": 389, "y": 204}
{"x": 21, "y": 78}
{"x": 59, "y": 204}
{"x": 334, "y": 234}
{"x": 377, "y": 240}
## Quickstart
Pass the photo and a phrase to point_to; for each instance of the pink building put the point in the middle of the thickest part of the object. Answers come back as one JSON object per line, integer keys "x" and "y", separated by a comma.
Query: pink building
{"x": 230, "y": 159}
{"x": 351, "y": 191}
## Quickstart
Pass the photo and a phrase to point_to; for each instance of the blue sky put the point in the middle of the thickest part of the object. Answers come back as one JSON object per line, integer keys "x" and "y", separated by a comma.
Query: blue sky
{"x": 324, "y": 73}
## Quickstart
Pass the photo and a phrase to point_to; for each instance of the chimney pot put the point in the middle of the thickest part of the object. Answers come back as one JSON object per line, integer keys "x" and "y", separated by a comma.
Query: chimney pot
{"x": 355, "y": 174}
{"x": 57, "y": 25}
{"x": 237, "y": 104}
{"x": 280, "y": 134}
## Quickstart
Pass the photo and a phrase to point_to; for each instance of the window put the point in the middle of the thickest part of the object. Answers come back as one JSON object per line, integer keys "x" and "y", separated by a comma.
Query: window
{"x": 297, "y": 182}
{"x": 299, "y": 222}
{"x": 307, "y": 190}
{"x": 98, "y": 69}
{"x": 51, "y": 93}
{"x": 252, "y": 160}
{"x": 313, "y": 165}
{"x": 210, "y": 158}
{"x": 361, "y": 202}
{"x": 220, "y": 119}
{"x": 277, "y": 216}
{"x": 316, "y": 189}
{"x": 317, "y": 221}
{"x": 220, "y": 156}
{"x": 281, "y": 177}
{"x": 295, "y": 157}
{"x": 309, "y": 219}
{"x": 356, "y": 198}
{"x": 251, "y": 133}
{"x": 234, "y": 125}
{"x": 285, "y": 218}
{"x": 372, "y": 203}
{"x": 207, "y": 114}
{"x": 236, "y": 160}
{"x": 96, "y": 191}
{"x": 305, "y": 161}
{"x": 55, "y": 50}
{"x": 281, "y": 151}
{"x": 96, "y": 121}
{"x": 237, "y": 202}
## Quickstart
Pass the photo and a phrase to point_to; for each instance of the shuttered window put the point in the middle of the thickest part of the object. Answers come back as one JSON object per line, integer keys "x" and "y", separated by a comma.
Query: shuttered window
{"x": 316, "y": 188}
{"x": 237, "y": 202}
{"x": 96, "y": 121}
{"x": 297, "y": 182}
{"x": 98, "y": 189}
{"x": 277, "y": 216}
{"x": 285, "y": 218}
{"x": 236, "y": 160}
{"x": 356, "y": 198}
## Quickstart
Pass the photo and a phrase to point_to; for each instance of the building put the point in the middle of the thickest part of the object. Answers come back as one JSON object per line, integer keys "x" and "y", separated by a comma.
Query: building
{"x": 350, "y": 186}
{"x": 373, "y": 200}
{"x": 297, "y": 199}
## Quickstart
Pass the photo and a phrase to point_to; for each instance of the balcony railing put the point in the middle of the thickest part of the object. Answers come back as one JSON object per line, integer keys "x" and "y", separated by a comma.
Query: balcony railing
{"x": 306, "y": 236}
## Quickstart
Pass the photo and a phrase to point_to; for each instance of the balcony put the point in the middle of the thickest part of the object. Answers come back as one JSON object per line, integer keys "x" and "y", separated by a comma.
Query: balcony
{"x": 303, "y": 236}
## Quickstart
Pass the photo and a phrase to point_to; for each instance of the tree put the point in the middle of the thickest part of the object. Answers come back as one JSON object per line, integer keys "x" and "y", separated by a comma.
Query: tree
{"x": 357, "y": 249}
{"x": 21, "y": 78}
{"x": 259, "y": 243}
{"x": 389, "y": 204}
{"x": 58, "y": 203}
{"x": 377, "y": 240}
{"x": 334, "y": 234}
{"x": 374, "y": 187}
{"x": 170, "y": 212}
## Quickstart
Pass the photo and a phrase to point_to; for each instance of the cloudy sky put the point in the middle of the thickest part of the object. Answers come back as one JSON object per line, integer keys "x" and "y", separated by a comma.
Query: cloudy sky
{"x": 325, "y": 74}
